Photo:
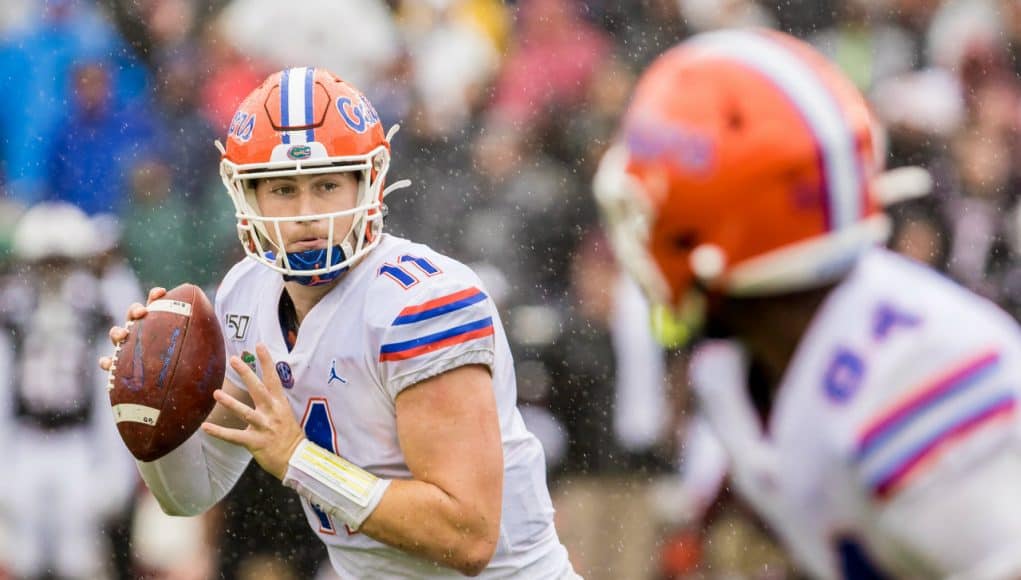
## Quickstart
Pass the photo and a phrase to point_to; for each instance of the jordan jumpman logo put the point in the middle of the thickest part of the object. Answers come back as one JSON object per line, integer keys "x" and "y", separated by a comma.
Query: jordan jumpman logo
{"x": 334, "y": 375}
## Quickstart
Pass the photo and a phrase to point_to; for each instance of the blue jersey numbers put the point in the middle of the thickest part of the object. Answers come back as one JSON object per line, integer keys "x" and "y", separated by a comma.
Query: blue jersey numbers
{"x": 846, "y": 369}
{"x": 407, "y": 270}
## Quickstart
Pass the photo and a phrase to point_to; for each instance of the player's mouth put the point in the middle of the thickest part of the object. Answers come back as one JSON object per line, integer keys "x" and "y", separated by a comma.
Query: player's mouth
{"x": 306, "y": 244}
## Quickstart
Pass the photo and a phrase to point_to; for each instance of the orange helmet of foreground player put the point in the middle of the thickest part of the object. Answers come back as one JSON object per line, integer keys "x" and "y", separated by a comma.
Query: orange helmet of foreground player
{"x": 306, "y": 121}
{"x": 745, "y": 162}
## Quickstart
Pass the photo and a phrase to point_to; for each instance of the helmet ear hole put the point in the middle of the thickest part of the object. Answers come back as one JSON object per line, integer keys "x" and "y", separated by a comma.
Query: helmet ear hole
{"x": 685, "y": 240}
{"x": 735, "y": 119}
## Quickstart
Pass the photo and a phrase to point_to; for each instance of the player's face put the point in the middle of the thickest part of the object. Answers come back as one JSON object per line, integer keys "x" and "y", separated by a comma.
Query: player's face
{"x": 308, "y": 195}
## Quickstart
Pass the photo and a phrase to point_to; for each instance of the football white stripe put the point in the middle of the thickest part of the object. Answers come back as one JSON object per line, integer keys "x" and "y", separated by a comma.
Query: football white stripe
{"x": 171, "y": 306}
{"x": 132, "y": 413}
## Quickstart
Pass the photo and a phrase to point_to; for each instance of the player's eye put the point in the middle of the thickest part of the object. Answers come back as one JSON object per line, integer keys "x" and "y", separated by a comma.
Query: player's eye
{"x": 329, "y": 185}
{"x": 282, "y": 190}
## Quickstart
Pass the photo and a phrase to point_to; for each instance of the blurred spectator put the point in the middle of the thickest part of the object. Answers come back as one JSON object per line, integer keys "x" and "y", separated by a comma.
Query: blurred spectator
{"x": 230, "y": 75}
{"x": 640, "y": 30}
{"x": 99, "y": 144}
{"x": 548, "y": 70}
{"x": 213, "y": 244}
{"x": 443, "y": 188}
{"x": 919, "y": 107}
{"x": 455, "y": 49}
{"x": 914, "y": 16}
{"x": 205, "y": 220}
{"x": 865, "y": 46}
{"x": 1010, "y": 19}
{"x": 978, "y": 252}
{"x": 355, "y": 38}
{"x": 960, "y": 28}
{"x": 117, "y": 280}
{"x": 190, "y": 134}
{"x": 921, "y": 234}
{"x": 525, "y": 199}
{"x": 36, "y": 64}
{"x": 584, "y": 134}
{"x": 157, "y": 236}
{"x": 703, "y": 15}
{"x": 153, "y": 27}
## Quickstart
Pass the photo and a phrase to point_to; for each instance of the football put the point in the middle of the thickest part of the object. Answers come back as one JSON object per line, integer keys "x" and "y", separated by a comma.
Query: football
{"x": 164, "y": 374}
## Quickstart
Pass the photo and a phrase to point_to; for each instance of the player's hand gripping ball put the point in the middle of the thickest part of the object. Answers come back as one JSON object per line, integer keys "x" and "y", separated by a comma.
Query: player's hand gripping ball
{"x": 162, "y": 376}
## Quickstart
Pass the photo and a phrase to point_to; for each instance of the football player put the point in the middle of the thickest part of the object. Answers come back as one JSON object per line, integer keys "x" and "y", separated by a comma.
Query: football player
{"x": 70, "y": 472}
{"x": 868, "y": 406}
{"x": 367, "y": 372}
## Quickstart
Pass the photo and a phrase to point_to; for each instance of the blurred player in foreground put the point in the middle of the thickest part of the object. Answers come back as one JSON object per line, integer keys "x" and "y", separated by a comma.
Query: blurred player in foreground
{"x": 369, "y": 373}
{"x": 868, "y": 405}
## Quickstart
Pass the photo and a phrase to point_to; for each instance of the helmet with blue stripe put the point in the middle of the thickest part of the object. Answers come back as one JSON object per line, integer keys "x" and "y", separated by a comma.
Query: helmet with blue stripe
{"x": 745, "y": 165}
{"x": 307, "y": 121}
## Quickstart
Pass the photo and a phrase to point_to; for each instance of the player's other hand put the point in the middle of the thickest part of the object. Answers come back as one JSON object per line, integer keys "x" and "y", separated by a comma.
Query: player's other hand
{"x": 136, "y": 311}
{"x": 273, "y": 432}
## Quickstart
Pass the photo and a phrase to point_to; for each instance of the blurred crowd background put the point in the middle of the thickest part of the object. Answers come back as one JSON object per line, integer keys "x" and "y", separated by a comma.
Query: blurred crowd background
{"x": 505, "y": 107}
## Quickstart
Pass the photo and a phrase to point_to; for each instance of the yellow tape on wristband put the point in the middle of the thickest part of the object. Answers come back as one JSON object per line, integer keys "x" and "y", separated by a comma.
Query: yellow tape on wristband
{"x": 339, "y": 474}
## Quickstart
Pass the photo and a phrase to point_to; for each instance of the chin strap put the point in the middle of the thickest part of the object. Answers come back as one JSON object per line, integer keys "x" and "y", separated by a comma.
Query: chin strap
{"x": 314, "y": 260}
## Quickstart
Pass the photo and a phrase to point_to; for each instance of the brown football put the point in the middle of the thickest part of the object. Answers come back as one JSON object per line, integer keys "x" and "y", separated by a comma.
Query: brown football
{"x": 163, "y": 376}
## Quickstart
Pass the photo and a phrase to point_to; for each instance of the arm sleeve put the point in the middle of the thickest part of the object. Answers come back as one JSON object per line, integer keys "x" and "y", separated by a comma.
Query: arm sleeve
{"x": 442, "y": 326}
{"x": 195, "y": 476}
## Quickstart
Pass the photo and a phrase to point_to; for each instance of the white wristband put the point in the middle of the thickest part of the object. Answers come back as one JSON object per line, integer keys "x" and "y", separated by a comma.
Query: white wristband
{"x": 334, "y": 484}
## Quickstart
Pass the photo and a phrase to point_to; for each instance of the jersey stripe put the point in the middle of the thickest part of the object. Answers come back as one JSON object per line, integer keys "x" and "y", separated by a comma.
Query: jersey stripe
{"x": 944, "y": 387}
{"x": 999, "y": 407}
{"x": 459, "y": 334}
{"x": 440, "y": 306}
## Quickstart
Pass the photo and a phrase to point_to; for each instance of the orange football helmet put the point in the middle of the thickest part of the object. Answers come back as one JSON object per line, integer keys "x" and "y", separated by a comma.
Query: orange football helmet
{"x": 744, "y": 166}
{"x": 307, "y": 121}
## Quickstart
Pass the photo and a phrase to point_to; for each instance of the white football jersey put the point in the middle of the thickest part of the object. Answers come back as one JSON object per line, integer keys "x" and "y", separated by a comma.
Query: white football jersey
{"x": 402, "y": 315}
{"x": 893, "y": 440}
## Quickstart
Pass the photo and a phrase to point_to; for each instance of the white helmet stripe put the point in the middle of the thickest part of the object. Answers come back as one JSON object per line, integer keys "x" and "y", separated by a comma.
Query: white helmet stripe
{"x": 816, "y": 104}
{"x": 294, "y": 111}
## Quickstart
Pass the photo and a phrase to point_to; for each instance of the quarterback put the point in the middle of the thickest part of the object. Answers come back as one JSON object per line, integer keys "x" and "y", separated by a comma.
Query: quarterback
{"x": 369, "y": 373}
{"x": 867, "y": 405}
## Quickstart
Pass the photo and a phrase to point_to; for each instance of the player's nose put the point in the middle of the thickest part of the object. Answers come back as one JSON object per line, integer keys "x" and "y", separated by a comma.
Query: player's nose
{"x": 307, "y": 206}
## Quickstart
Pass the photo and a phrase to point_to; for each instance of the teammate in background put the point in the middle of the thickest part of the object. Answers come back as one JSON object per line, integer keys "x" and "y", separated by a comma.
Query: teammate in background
{"x": 367, "y": 372}
{"x": 70, "y": 472}
{"x": 868, "y": 406}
